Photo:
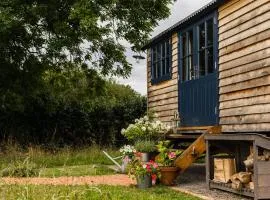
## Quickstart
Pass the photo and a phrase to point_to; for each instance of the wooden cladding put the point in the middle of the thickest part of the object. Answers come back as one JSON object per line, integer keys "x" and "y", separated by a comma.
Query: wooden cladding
{"x": 244, "y": 66}
{"x": 163, "y": 97}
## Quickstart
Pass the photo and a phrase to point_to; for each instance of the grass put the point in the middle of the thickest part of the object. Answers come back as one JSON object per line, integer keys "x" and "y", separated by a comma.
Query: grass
{"x": 63, "y": 162}
{"x": 78, "y": 170}
{"x": 32, "y": 192}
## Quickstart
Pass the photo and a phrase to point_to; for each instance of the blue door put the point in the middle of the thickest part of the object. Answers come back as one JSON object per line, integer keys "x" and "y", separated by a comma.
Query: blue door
{"x": 198, "y": 81}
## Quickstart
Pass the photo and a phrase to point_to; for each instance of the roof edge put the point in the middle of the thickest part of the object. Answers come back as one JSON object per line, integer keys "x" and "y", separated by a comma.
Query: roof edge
{"x": 211, "y": 6}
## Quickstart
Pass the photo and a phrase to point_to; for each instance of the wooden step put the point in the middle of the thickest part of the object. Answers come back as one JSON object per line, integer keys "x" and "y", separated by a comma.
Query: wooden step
{"x": 195, "y": 150}
{"x": 190, "y": 128}
{"x": 182, "y": 136}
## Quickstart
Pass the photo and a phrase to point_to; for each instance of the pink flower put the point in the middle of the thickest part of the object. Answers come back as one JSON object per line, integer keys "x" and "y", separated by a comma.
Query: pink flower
{"x": 172, "y": 155}
{"x": 154, "y": 179}
{"x": 155, "y": 165}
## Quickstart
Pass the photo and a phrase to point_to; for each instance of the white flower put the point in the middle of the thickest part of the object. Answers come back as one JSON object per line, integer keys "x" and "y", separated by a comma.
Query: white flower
{"x": 146, "y": 118}
{"x": 143, "y": 128}
{"x": 144, "y": 166}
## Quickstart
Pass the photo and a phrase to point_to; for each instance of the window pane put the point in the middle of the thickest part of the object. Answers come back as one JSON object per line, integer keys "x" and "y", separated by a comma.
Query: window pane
{"x": 190, "y": 42}
{"x": 210, "y": 60}
{"x": 184, "y": 45}
{"x": 167, "y": 65}
{"x": 168, "y": 56}
{"x": 210, "y": 32}
{"x": 201, "y": 36}
{"x": 184, "y": 70}
{"x": 158, "y": 69}
{"x": 163, "y": 64}
{"x": 163, "y": 49}
{"x": 202, "y": 62}
{"x": 158, "y": 52}
{"x": 191, "y": 68}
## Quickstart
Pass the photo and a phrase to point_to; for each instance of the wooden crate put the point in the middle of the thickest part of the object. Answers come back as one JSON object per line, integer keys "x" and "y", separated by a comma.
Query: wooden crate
{"x": 224, "y": 168}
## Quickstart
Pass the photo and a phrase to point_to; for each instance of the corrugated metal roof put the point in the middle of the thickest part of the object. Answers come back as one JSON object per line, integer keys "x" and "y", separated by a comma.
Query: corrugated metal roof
{"x": 184, "y": 22}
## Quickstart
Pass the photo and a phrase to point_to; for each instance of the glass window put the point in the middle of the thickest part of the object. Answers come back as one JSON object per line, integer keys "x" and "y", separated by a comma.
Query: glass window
{"x": 188, "y": 71}
{"x": 161, "y": 60}
{"x": 197, "y": 47}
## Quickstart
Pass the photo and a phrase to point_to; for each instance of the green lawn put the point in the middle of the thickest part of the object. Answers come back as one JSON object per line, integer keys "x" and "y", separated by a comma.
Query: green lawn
{"x": 64, "y": 162}
{"x": 78, "y": 170}
{"x": 30, "y": 192}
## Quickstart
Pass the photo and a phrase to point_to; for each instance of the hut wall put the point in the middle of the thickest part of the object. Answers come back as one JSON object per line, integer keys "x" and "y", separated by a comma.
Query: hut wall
{"x": 163, "y": 97}
{"x": 244, "y": 65}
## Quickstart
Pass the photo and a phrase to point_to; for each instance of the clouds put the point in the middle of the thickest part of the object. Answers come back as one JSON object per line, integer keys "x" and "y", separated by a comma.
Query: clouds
{"x": 180, "y": 9}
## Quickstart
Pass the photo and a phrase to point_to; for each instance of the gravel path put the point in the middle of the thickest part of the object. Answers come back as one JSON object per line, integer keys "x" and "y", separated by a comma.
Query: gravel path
{"x": 193, "y": 182}
{"x": 119, "y": 179}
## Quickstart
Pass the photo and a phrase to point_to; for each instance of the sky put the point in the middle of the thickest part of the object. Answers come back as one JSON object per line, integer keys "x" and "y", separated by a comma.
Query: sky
{"x": 179, "y": 10}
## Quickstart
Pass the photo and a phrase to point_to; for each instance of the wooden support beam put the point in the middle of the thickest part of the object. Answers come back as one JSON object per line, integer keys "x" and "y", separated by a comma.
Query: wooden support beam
{"x": 195, "y": 150}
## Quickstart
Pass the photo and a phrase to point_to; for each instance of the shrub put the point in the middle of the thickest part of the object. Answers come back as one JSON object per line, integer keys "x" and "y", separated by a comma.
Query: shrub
{"x": 145, "y": 146}
{"x": 20, "y": 169}
{"x": 145, "y": 128}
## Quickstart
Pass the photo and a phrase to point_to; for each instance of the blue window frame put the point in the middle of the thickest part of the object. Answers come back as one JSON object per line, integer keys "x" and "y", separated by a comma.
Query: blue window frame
{"x": 198, "y": 49}
{"x": 161, "y": 61}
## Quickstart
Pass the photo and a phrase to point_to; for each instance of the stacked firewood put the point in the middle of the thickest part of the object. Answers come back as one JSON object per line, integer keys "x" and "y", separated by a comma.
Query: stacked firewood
{"x": 245, "y": 179}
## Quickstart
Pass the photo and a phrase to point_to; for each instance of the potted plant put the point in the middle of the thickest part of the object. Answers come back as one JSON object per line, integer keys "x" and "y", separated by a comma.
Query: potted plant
{"x": 143, "y": 132}
{"x": 128, "y": 153}
{"x": 145, "y": 173}
{"x": 166, "y": 159}
{"x": 145, "y": 147}
{"x": 145, "y": 128}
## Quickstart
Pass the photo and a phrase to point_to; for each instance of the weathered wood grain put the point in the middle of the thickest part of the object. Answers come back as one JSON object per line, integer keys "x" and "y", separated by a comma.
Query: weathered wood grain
{"x": 246, "y": 101}
{"x": 262, "y": 81}
{"x": 253, "y": 92}
{"x": 244, "y": 18}
{"x": 171, "y": 88}
{"x": 244, "y": 34}
{"x": 246, "y": 127}
{"x": 233, "y": 7}
{"x": 164, "y": 102}
{"x": 237, "y": 78}
{"x": 245, "y": 110}
{"x": 246, "y": 59}
{"x": 242, "y": 69}
{"x": 243, "y": 10}
{"x": 245, "y": 26}
{"x": 246, "y": 119}
{"x": 245, "y": 51}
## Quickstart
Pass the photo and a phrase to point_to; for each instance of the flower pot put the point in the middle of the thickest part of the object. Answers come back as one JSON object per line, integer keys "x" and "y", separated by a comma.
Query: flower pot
{"x": 145, "y": 157}
{"x": 168, "y": 175}
{"x": 144, "y": 181}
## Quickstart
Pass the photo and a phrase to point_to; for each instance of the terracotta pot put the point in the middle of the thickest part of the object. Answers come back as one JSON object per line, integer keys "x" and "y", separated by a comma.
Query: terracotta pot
{"x": 168, "y": 175}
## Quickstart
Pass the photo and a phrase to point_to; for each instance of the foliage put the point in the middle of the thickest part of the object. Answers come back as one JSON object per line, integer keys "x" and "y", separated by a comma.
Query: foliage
{"x": 20, "y": 169}
{"x": 38, "y": 35}
{"x": 138, "y": 168}
{"x": 145, "y": 128}
{"x": 76, "y": 170}
{"x": 56, "y": 162}
{"x": 73, "y": 116}
{"x": 54, "y": 56}
{"x": 145, "y": 146}
{"x": 166, "y": 156}
{"x": 87, "y": 192}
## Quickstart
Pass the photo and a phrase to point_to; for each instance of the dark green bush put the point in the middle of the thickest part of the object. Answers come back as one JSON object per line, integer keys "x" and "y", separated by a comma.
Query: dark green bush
{"x": 72, "y": 109}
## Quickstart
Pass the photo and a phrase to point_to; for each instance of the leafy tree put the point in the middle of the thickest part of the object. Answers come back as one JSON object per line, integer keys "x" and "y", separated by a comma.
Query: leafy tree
{"x": 37, "y": 35}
